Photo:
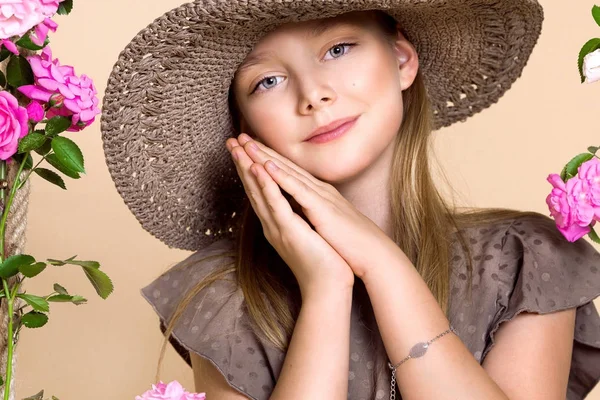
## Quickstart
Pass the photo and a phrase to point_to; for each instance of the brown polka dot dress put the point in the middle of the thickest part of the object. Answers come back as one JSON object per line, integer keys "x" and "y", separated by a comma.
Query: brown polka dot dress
{"x": 518, "y": 265}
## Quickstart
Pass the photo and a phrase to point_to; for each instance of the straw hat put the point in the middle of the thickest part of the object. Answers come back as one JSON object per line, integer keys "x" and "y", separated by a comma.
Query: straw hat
{"x": 165, "y": 113}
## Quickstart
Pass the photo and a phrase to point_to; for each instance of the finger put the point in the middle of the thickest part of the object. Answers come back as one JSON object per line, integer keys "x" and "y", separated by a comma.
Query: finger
{"x": 305, "y": 194}
{"x": 277, "y": 204}
{"x": 263, "y": 153}
{"x": 253, "y": 191}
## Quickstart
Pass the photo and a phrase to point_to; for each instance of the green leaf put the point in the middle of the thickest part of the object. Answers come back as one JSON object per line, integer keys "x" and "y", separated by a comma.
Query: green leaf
{"x": 37, "y": 396}
{"x": 38, "y": 303}
{"x": 100, "y": 281}
{"x": 65, "y": 298}
{"x": 11, "y": 265}
{"x": 51, "y": 177}
{"x": 594, "y": 236}
{"x": 596, "y": 14}
{"x": 46, "y": 147}
{"x": 1, "y": 381}
{"x": 593, "y": 149}
{"x": 68, "y": 153}
{"x": 27, "y": 43}
{"x": 58, "y": 263}
{"x": 89, "y": 264}
{"x": 55, "y": 162}
{"x": 18, "y": 157}
{"x": 4, "y": 53}
{"x": 34, "y": 319}
{"x": 588, "y": 47}
{"x": 19, "y": 71}
{"x": 65, "y": 7}
{"x": 32, "y": 270}
{"x": 59, "y": 289}
{"x": 31, "y": 142}
{"x": 2, "y": 79}
{"x": 77, "y": 300}
{"x": 57, "y": 125}
{"x": 570, "y": 170}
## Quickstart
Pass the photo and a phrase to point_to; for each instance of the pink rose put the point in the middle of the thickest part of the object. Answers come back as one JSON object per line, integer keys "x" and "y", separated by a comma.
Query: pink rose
{"x": 569, "y": 205}
{"x": 41, "y": 31}
{"x": 172, "y": 391}
{"x": 13, "y": 125}
{"x": 589, "y": 172}
{"x": 56, "y": 81}
{"x": 19, "y": 16}
{"x": 10, "y": 46}
{"x": 35, "y": 112}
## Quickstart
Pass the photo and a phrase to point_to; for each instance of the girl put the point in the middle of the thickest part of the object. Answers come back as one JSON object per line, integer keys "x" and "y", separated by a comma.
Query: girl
{"x": 342, "y": 272}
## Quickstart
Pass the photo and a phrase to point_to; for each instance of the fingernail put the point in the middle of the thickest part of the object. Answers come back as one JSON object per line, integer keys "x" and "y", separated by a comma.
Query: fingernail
{"x": 271, "y": 166}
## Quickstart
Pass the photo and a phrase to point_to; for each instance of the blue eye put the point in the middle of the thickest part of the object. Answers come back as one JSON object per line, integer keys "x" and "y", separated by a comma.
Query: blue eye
{"x": 267, "y": 79}
{"x": 271, "y": 78}
{"x": 340, "y": 46}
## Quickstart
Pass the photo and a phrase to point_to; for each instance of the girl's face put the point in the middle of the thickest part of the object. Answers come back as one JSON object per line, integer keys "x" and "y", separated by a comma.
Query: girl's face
{"x": 305, "y": 75}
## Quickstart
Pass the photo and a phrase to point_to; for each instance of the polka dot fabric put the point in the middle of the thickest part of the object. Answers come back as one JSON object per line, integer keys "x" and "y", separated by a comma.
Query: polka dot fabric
{"x": 518, "y": 265}
{"x": 526, "y": 265}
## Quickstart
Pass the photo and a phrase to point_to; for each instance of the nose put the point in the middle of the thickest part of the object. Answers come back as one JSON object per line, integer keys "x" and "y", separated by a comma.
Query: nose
{"x": 315, "y": 94}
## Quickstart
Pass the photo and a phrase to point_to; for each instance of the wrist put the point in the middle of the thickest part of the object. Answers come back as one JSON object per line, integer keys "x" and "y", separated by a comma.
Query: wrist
{"x": 327, "y": 293}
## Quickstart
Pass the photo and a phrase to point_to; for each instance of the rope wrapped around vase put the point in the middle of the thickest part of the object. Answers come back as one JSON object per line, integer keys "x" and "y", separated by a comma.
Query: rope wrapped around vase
{"x": 14, "y": 243}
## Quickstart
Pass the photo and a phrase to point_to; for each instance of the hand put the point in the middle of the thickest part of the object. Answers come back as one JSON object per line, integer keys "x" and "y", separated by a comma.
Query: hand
{"x": 315, "y": 264}
{"x": 349, "y": 232}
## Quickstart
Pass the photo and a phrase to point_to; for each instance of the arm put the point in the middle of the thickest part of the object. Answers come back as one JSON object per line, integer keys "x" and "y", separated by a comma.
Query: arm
{"x": 407, "y": 313}
{"x": 317, "y": 360}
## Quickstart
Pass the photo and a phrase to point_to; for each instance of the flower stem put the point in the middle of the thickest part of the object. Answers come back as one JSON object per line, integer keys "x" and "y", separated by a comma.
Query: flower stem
{"x": 11, "y": 197}
{"x": 10, "y": 343}
{"x": 2, "y": 177}
{"x": 10, "y": 295}
{"x": 32, "y": 169}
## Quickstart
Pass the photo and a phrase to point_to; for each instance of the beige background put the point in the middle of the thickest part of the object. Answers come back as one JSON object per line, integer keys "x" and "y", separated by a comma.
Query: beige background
{"x": 109, "y": 348}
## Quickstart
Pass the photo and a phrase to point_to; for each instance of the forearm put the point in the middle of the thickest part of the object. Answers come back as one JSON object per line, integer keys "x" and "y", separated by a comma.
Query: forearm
{"x": 407, "y": 313}
{"x": 316, "y": 363}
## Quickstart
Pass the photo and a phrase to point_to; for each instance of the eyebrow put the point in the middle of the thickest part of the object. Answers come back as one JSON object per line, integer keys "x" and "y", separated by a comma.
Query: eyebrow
{"x": 319, "y": 29}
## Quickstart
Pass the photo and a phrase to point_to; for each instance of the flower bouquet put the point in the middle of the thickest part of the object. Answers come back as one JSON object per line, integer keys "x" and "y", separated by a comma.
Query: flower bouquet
{"x": 39, "y": 100}
{"x": 170, "y": 391}
{"x": 574, "y": 201}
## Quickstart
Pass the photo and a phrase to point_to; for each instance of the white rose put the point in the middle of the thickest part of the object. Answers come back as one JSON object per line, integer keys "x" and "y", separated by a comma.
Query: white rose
{"x": 19, "y": 16}
{"x": 591, "y": 66}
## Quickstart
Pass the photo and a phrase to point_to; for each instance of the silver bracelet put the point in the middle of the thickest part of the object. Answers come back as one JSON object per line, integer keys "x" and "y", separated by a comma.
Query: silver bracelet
{"x": 418, "y": 350}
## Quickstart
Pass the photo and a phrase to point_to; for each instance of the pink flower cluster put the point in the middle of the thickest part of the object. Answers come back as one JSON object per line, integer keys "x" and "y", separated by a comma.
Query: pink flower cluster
{"x": 68, "y": 94}
{"x": 575, "y": 204}
{"x": 171, "y": 391}
{"x": 13, "y": 124}
{"x": 17, "y": 17}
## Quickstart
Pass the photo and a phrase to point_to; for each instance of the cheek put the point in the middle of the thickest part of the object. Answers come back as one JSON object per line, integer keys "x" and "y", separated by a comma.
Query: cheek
{"x": 372, "y": 79}
{"x": 376, "y": 84}
{"x": 269, "y": 123}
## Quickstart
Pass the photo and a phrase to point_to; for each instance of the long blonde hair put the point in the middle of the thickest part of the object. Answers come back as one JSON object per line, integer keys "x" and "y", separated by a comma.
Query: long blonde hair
{"x": 423, "y": 223}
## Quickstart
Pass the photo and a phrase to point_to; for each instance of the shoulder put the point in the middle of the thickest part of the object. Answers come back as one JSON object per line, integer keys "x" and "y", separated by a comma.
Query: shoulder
{"x": 532, "y": 236}
{"x": 537, "y": 270}
{"x": 212, "y": 321}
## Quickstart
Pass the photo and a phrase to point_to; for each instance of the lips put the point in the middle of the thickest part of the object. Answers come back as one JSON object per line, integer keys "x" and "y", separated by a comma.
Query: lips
{"x": 331, "y": 126}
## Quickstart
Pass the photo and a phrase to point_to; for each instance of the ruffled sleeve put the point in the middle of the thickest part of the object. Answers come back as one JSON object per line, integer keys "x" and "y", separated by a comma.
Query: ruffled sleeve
{"x": 542, "y": 272}
{"x": 215, "y": 324}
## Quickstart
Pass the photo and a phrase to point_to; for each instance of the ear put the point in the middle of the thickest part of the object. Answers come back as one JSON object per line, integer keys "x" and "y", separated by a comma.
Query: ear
{"x": 407, "y": 58}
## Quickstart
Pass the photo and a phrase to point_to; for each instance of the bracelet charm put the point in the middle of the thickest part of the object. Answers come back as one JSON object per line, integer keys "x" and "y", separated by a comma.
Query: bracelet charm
{"x": 418, "y": 350}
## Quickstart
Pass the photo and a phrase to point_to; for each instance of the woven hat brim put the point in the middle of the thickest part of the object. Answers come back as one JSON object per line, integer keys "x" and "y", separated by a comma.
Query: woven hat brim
{"x": 165, "y": 113}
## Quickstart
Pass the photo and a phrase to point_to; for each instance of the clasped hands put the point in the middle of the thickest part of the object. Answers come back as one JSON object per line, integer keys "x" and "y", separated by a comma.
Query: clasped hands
{"x": 264, "y": 171}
